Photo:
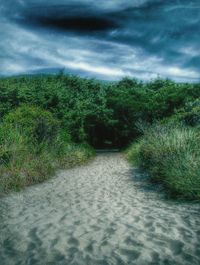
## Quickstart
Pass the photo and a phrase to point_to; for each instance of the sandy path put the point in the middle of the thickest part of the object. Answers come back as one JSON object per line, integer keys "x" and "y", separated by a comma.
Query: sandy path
{"x": 102, "y": 213}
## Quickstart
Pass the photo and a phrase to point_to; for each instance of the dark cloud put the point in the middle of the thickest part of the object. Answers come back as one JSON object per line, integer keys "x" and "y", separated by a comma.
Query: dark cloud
{"x": 108, "y": 39}
{"x": 79, "y": 24}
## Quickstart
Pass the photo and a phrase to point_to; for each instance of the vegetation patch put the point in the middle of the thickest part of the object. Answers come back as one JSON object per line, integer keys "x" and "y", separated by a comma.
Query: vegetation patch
{"x": 171, "y": 155}
{"x": 33, "y": 146}
{"x": 50, "y": 121}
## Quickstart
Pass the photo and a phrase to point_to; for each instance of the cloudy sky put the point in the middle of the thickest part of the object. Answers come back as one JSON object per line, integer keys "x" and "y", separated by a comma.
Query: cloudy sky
{"x": 106, "y": 39}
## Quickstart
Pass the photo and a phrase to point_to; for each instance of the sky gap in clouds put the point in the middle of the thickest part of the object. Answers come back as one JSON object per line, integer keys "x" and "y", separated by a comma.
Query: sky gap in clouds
{"x": 106, "y": 39}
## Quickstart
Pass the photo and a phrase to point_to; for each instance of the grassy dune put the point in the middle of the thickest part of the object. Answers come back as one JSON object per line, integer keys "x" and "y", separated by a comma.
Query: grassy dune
{"x": 171, "y": 155}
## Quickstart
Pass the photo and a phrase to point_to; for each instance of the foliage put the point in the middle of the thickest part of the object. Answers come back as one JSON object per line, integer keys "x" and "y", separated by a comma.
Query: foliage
{"x": 35, "y": 123}
{"x": 95, "y": 111}
{"x": 189, "y": 114}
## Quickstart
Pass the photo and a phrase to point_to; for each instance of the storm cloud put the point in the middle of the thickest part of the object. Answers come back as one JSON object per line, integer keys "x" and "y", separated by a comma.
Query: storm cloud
{"x": 105, "y": 39}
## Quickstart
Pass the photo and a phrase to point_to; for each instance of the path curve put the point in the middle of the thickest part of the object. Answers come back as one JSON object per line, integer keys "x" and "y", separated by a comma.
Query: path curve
{"x": 104, "y": 213}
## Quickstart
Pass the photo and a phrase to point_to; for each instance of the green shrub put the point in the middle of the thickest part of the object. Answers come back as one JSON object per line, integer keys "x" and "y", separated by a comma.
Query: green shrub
{"x": 189, "y": 114}
{"x": 35, "y": 123}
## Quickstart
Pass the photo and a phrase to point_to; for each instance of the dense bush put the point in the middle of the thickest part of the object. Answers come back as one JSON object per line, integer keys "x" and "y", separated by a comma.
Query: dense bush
{"x": 171, "y": 154}
{"x": 79, "y": 104}
{"x": 35, "y": 123}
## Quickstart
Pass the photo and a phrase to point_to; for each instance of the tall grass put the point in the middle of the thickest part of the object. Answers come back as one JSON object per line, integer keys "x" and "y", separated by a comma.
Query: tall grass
{"x": 171, "y": 155}
{"x": 32, "y": 147}
{"x": 23, "y": 165}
